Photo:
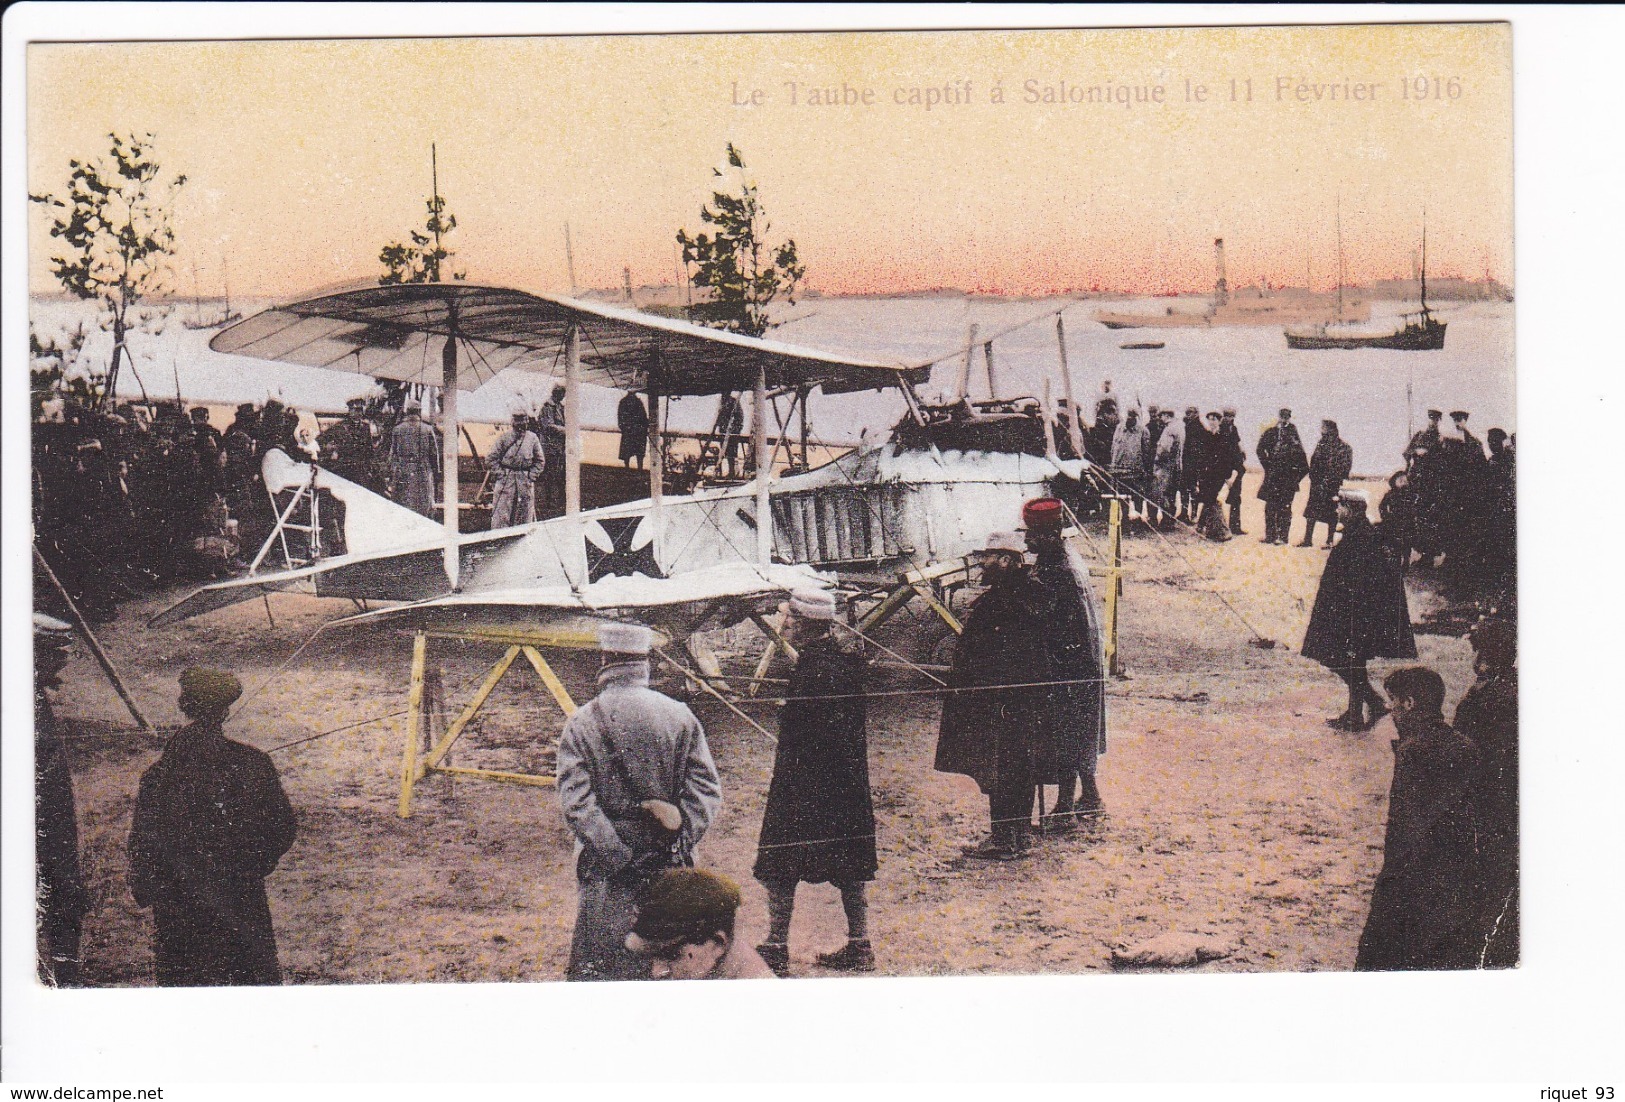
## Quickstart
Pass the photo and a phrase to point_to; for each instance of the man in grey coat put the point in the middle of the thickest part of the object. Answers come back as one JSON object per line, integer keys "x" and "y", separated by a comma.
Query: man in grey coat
{"x": 638, "y": 789}
{"x": 515, "y": 461}
{"x": 414, "y": 461}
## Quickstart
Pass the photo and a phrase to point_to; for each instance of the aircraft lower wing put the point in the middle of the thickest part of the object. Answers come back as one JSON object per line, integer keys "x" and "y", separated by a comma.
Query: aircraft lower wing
{"x": 696, "y": 600}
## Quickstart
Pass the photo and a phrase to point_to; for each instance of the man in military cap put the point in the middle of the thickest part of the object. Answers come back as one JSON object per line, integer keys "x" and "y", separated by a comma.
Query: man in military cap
{"x": 1281, "y": 454}
{"x": 1236, "y": 457}
{"x": 62, "y": 901}
{"x": 414, "y": 461}
{"x": 1076, "y": 641}
{"x": 1360, "y": 612}
{"x": 684, "y": 930}
{"x": 211, "y": 823}
{"x": 515, "y": 461}
{"x": 819, "y": 826}
{"x": 995, "y": 734}
{"x": 347, "y": 447}
{"x": 1216, "y": 464}
{"x": 548, "y": 425}
{"x": 638, "y": 789}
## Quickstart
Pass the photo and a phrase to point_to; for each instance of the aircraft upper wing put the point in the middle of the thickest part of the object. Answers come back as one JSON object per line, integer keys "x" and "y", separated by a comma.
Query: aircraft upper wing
{"x": 398, "y": 332}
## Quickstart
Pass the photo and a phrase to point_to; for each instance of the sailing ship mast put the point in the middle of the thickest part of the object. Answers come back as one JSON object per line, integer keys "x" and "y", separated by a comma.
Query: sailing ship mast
{"x": 1340, "y": 257}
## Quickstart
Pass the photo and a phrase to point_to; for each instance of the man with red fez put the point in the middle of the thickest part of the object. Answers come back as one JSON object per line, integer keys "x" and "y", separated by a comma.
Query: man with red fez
{"x": 211, "y": 823}
{"x": 1077, "y": 652}
{"x": 996, "y": 719}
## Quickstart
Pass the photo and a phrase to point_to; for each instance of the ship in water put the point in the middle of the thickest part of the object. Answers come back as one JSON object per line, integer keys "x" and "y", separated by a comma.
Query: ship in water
{"x": 1419, "y": 330}
{"x": 1250, "y": 307}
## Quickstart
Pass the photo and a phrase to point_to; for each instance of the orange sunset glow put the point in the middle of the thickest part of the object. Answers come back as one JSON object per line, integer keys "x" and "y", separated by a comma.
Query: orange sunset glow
{"x": 1113, "y": 160}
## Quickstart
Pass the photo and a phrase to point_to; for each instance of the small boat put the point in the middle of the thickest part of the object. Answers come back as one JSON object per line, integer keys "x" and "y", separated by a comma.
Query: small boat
{"x": 1142, "y": 344}
{"x": 1419, "y": 330}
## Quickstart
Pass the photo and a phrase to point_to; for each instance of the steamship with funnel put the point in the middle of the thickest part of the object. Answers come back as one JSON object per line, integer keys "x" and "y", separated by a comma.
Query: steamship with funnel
{"x": 1248, "y": 308}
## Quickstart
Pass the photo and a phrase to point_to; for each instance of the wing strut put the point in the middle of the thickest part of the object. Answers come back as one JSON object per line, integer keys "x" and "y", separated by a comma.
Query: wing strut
{"x": 450, "y": 437}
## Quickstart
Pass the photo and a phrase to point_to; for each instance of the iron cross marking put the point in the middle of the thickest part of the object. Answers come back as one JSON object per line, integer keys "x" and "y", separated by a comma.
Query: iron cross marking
{"x": 621, "y": 559}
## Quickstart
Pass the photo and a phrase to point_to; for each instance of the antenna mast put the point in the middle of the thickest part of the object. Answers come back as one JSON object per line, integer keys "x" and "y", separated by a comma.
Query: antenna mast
{"x": 434, "y": 187}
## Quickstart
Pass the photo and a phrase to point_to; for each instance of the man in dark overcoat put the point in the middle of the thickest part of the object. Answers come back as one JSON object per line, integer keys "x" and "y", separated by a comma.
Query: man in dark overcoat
{"x": 211, "y": 823}
{"x": 1488, "y": 718}
{"x": 993, "y": 734}
{"x": 62, "y": 901}
{"x": 1235, "y": 459}
{"x": 1328, "y": 467}
{"x": 1422, "y": 907}
{"x": 819, "y": 826}
{"x": 1360, "y": 612}
{"x": 348, "y": 448}
{"x": 1077, "y": 652}
{"x": 633, "y": 421}
{"x": 1281, "y": 454}
{"x": 1217, "y": 463}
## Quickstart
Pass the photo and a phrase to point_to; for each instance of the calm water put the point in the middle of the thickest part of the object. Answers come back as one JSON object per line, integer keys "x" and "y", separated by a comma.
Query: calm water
{"x": 1247, "y": 367}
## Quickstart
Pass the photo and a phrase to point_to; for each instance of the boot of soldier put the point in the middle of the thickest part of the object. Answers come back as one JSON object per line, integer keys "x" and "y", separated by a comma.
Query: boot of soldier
{"x": 1308, "y": 534}
{"x": 1235, "y": 520}
{"x": 776, "y": 955}
{"x": 1089, "y": 804}
{"x": 857, "y": 955}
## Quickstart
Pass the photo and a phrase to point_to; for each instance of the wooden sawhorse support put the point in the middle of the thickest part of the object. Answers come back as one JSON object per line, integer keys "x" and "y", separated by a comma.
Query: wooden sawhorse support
{"x": 413, "y": 767}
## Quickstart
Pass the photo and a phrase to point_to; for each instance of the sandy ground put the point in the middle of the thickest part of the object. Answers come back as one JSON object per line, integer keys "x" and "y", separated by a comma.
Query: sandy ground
{"x": 1234, "y": 811}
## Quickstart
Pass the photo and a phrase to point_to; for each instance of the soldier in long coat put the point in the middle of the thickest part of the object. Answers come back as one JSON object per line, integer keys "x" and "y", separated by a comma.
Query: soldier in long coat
{"x": 347, "y": 447}
{"x": 1360, "y": 612}
{"x": 638, "y": 789}
{"x": 1235, "y": 457}
{"x": 63, "y": 901}
{"x": 548, "y": 425}
{"x": 414, "y": 462}
{"x": 1488, "y": 718}
{"x": 1215, "y": 465}
{"x": 1077, "y": 652}
{"x": 1131, "y": 459}
{"x": 1328, "y": 467}
{"x": 992, "y": 734}
{"x": 633, "y": 421}
{"x": 1423, "y": 913}
{"x": 515, "y": 460}
{"x": 1281, "y": 454}
{"x": 819, "y": 826}
{"x": 1167, "y": 466}
{"x": 211, "y": 823}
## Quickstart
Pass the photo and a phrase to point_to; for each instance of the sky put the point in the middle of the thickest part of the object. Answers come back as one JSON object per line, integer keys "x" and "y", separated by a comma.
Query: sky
{"x": 1113, "y": 161}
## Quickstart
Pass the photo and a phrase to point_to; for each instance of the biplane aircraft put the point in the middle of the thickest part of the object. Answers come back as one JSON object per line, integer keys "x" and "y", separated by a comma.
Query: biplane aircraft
{"x": 681, "y": 564}
{"x": 889, "y": 522}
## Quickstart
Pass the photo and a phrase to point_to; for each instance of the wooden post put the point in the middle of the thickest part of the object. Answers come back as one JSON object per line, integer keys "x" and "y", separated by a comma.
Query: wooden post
{"x": 1049, "y": 426}
{"x": 657, "y": 471}
{"x": 992, "y": 378}
{"x": 95, "y": 646}
{"x": 1075, "y": 420}
{"x": 764, "y": 469}
{"x": 804, "y": 392}
{"x": 963, "y": 389}
{"x": 1114, "y": 588}
{"x": 449, "y": 441}
{"x": 414, "y": 714}
{"x": 572, "y": 421}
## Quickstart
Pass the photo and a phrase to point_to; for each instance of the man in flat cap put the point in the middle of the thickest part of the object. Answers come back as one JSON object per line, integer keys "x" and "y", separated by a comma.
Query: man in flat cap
{"x": 1281, "y": 454}
{"x": 819, "y": 826}
{"x": 414, "y": 461}
{"x": 995, "y": 734}
{"x": 1076, "y": 641}
{"x": 516, "y": 460}
{"x": 62, "y": 901}
{"x": 211, "y": 823}
{"x": 684, "y": 930}
{"x": 638, "y": 789}
{"x": 1360, "y": 612}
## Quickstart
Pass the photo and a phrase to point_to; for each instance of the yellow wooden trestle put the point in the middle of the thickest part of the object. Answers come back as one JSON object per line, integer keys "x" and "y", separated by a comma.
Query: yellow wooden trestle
{"x": 420, "y": 758}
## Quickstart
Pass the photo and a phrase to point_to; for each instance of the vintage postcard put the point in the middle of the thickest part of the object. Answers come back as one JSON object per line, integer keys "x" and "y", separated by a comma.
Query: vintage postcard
{"x": 787, "y": 505}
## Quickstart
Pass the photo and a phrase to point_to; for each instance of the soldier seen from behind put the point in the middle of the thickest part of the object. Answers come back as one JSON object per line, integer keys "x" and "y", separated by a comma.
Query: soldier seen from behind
{"x": 211, "y": 823}
{"x": 633, "y": 422}
{"x": 1423, "y": 913}
{"x": 819, "y": 826}
{"x": 1360, "y": 612}
{"x": 1328, "y": 468}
